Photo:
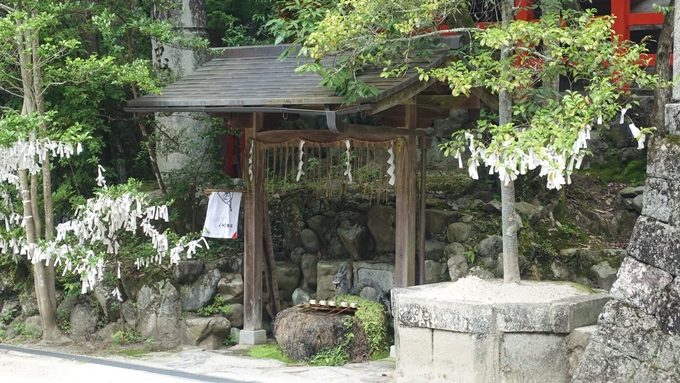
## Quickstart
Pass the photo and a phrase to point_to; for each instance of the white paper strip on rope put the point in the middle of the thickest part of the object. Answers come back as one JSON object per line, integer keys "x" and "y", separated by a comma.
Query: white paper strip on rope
{"x": 250, "y": 160}
{"x": 390, "y": 161}
{"x": 301, "y": 161}
{"x": 348, "y": 155}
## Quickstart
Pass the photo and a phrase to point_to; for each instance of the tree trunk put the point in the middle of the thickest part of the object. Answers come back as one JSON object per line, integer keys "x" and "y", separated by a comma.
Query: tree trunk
{"x": 662, "y": 95}
{"x": 43, "y": 274}
{"x": 510, "y": 243}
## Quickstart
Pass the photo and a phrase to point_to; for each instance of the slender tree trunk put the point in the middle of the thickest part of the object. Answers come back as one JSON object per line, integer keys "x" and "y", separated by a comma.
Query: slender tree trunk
{"x": 509, "y": 218}
{"x": 151, "y": 152}
{"x": 43, "y": 274}
{"x": 662, "y": 95}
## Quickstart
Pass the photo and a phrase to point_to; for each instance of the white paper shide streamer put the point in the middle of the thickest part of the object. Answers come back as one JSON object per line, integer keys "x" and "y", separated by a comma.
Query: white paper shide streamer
{"x": 250, "y": 160}
{"x": 390, "y": 162}
{"x": 301, "y": 161}
{"x": 348, "y": 154}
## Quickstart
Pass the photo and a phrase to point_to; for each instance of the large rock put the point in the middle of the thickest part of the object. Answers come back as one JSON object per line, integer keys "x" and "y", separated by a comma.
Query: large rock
{"x": 454, "y": 249}
{"x": 308, "y": 267}
{"x": 490, "y": 246}
{"x": 28, "y": 303}
{"x": 310, "y": 241}
{"x": 662, "y": 201}
{"x": 206, "y": 332}
{"x": 435, "y": 272}
{"x": 300, "y": 295}
{"x": 434, "y": 250}
{"x": 187, "y": 271}
{"x": 325, "y": 270}
{"x": 230, "y": 287}
{"x": 457, "y": 266}
{"x": 458, "y": 232}
{"x": 10, "y": 308}
{"x": 604, "y": 275}
{"x": 436, "y": 221}
{"x": 529, "y": 211}
{"x": 109, "y": 303}
{"x": 159, "y": 312}
{"x": 357, "y": 240}
{"x": 287, "y": 277}
{"x": 83, "y": 321}
{"x": 301, "y": 335}
{"x": 201, "y": 292}
{"x": 321, "y": 226}
{"x": 663, "y": 159}
{"x": 235, "y": 315}
{"x": 336, "y": 249}
{"x": 381, "y": 274}
{"x": 381, "y": 223}
{"x": 657, "y": 244}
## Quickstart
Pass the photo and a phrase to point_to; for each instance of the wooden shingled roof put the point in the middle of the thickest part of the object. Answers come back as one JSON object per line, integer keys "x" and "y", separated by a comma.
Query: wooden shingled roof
{"x": 245, "y": 79}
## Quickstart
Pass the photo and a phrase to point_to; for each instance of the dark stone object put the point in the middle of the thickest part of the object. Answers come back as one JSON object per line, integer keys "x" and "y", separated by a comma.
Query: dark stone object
{"x": 656, "y": 244}
{"x": 187, "y": 271}
{"x": 301, "y": 335}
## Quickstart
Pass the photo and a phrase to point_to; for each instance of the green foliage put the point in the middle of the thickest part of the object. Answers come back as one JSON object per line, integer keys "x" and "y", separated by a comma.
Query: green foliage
{"x": 64, "y": 319}
{"x": 373, "y": 320}
{"x": 240, "y": 22}
{"x": 297, "y": 19}
{"x": 7, "y": 316}
{"x": 120, "y": 338}
{"x": 334, "y": 356}
{"x": 269, "y": 351}
{"x": 217, "y": 307}
{"x": 229, "y": 341}
{"x": 633, "y": 173}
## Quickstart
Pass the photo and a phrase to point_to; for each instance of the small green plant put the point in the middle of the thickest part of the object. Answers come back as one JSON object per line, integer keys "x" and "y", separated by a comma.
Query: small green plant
{"x": 22, "y": 330}
{"x": 372, "y": 318}
{"x": 470, "y": 255}
{"x": 120, "y": 338}
{"x": 8, "y": 316}
{"x": 218, "y": 307}
{"x": 2, "y": 334}
{"x": 230, "y": 341}
{"x": 334, "y": 356}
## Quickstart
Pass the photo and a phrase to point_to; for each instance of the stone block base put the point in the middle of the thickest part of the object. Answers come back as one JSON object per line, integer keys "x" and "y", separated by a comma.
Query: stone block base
{"x": 478, "y": 331}
{"x": 252, "y": 337}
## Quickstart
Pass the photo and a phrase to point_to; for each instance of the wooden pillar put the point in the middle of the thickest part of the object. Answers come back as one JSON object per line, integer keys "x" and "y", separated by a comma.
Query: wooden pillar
{"x": 621, "y": 10}
{"x": 406, "y": 190}
{"x": 424, "y": 144}
{"x": 253, "y": 247}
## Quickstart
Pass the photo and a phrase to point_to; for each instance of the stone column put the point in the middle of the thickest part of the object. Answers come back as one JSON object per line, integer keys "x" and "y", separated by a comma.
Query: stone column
{"x": 676, "y": 54}
{"x": 638, "y": 336}
{"x": 185, "y": 129}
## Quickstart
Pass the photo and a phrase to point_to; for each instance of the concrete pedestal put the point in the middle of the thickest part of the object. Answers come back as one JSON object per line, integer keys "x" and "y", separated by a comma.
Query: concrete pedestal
{"x": 485, "y": 331}
{"x": 252, "y": 337}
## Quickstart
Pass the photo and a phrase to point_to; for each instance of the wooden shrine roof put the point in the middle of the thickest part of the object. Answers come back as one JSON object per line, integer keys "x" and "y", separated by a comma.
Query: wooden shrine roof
{"x": 244, "y": 79}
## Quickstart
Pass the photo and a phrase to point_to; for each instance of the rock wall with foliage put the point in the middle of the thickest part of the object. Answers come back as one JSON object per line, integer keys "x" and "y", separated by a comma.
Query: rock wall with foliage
{"x": 638, "y": 338}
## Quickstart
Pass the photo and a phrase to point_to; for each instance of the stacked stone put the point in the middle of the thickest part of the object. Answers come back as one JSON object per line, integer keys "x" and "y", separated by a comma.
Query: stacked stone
{"x": 638, "y": 338}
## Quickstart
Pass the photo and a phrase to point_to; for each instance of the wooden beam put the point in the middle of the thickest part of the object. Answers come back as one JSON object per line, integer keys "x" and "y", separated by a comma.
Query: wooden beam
{"x": 401, "y": 97}
{"x": 358, "y": 132}
{"x": 254, "y": 241}
{"x": 405, "y": 190}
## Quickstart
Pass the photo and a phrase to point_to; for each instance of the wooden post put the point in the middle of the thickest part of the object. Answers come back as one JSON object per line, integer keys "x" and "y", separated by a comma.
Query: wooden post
{"x": 621, "y": 9}
{"x": 424, "y": 143}
{"x": 405, "y": 189}
{"x": 253, "y": 247}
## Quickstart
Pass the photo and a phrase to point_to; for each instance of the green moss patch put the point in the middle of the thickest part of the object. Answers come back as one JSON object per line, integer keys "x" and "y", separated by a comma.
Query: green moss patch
{"x": 372, "y": 318}
{"x": 269, "y": 351}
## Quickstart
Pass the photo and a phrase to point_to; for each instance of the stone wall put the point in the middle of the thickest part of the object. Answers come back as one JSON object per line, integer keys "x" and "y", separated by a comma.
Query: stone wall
{"x": 638, "y": 338}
